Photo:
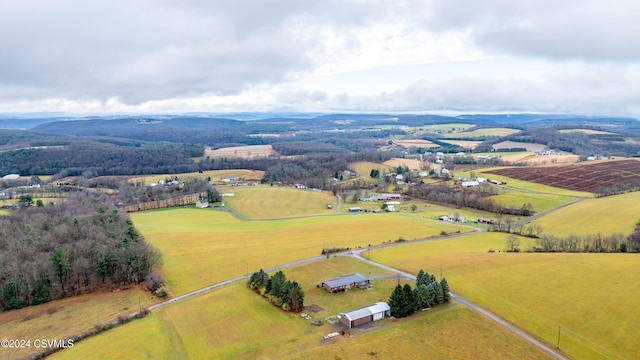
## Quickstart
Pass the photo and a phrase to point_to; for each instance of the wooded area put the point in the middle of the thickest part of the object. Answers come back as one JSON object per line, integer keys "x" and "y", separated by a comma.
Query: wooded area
{"x": 81, "y": 245}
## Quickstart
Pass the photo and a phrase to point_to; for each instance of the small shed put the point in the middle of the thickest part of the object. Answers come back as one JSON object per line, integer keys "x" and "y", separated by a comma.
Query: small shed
{"x": 365, "y": 315}
{"x": 354, "y": 209}
{"x": 346, "y": 282}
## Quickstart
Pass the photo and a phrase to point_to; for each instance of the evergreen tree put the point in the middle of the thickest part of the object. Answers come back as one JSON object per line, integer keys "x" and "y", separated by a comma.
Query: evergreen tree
{"x": 420, "y": 278}
{"x": 439, "y": 294}
{"x": 432, "y": 294}
{"x": 445, "y": 289}
{"x": 295, "y": 297}
{"x": 422, "y": 296}
{"x": 410, "y": 305}
{"x": 396, "y": 301}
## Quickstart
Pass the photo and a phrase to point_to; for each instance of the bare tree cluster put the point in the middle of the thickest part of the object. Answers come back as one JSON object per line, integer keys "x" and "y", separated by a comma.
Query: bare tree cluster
{"x": 81, "y": 245}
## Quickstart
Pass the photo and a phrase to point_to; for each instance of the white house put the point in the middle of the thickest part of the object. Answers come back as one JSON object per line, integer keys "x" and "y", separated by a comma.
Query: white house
{"x": 467, "y": 184}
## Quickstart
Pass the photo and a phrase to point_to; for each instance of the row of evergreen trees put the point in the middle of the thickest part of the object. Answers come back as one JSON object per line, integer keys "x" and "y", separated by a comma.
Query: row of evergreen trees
{"x": 428, "y": 292}
{"x": 280, "y": 291}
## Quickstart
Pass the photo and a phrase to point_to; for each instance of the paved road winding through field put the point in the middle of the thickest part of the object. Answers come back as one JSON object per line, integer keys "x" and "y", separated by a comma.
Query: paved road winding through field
{"x": 357, "y": 254}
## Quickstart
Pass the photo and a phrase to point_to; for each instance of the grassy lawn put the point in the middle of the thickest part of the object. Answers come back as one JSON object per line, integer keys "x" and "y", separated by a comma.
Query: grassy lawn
{"x": 233, "y": 322}
{"x": 4, "y": 212}
{"x": 266, "y": 202}
{"x": 62, "y": 318}
{"x": 202, "y": 246}
{"x": 605, "y": 215}
{"x": 587, "y": 295}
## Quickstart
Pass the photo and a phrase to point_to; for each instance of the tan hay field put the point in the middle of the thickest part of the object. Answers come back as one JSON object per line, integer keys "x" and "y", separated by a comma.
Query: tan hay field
{"x": 215, "y": 175}
{"x": 590, "y": 296}
{"x": 203, "y": 246}
{"x": 364, "y": 167}
{"x": 417, "y": 143}
{"x": 233, "y": 322}
{"x": 413, "y": 164}
{"x": 268, "y": 202}
{"x": 605, "y": 215}
{"x": 60, "y": 319}
{"x": 249, "y": 151}
{"x": 483, "y": 132}
{"x": 586, "y": 131}
{"x": 468, "y": 144}
{"x": 516, "y": 144}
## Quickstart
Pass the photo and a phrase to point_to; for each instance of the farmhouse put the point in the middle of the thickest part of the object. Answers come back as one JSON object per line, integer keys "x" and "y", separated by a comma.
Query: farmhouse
{"x": 365, "y": 315}
{"x": 346, "y": 282}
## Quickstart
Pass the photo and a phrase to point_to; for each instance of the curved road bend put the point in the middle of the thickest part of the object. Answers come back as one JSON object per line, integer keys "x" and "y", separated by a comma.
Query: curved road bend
{"x": 491, "y": 316}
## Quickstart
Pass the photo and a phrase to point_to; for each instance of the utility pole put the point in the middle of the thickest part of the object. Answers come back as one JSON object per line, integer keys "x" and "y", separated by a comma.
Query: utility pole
{"x": 558, "y": 346}
{"x": 247, "y": 270}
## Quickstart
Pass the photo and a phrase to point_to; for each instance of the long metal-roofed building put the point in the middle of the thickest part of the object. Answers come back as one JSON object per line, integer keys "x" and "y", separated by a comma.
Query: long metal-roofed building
{"x": 346, "y": 282}
{"x": 365, "y": 314}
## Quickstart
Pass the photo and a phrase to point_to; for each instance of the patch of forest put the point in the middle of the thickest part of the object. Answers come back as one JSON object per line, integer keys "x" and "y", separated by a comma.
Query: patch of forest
{"x": 100, "y": 159}
{"x": 81, "y": 245}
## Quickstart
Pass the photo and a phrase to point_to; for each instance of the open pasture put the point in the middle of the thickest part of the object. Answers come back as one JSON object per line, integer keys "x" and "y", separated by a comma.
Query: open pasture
{"x": 248, "y": 151}
{"x": 364, "y": 168}
{"x": 589, "y": 296}
{"x": 215, "y": 175}
{"x": 234, "y": 322}
{"x": 270, "y": 202}
{"x": 585, "y": 131}
{"x": 412, "y": 164}
{"x": 203, "y": 246}
{"x": 4, "y": 212}
{"x": 444, "y": 128}
{"x": 486, "y": 132}
{"x": 540, "y": 201}
{"x": 426, "y": 144}
{"x": 467, "y": 144}
{"x": 578, "y": 177}
{"x": 60, "y": 319}
{"x": 517, "y": 144}
{"x": 604, "y": 215}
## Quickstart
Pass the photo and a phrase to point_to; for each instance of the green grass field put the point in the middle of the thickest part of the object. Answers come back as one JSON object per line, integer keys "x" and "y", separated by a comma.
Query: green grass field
{"x": 482, "y": 132}
{"x": 233, "y": 322}
{"x": 4, "y": 212}
{"x": 202, "y": 246}
{"x": 540, "y": 202}
{"x": 605, "y": 215}
{"x": 60, "y": 319}
{"x": 587, "y": 295}
{"x": 266, "y": 202}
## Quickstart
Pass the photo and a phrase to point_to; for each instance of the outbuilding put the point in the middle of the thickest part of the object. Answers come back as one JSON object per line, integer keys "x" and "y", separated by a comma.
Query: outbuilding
{"x": 366, "y": 314}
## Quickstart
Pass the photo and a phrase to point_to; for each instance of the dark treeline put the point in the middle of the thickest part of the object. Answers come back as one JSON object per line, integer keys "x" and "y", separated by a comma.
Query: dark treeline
{"x": 99, "y": 159}
{"x": 82, "y": 245}
{"x": 478, "y": 197}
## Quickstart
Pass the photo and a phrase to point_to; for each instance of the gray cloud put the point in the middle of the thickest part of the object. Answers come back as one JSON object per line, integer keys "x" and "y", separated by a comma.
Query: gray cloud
{"x": 587, "y": 30}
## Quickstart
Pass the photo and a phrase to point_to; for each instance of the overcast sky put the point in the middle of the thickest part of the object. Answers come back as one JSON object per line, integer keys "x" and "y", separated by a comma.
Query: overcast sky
{"x": 446, "y": 56}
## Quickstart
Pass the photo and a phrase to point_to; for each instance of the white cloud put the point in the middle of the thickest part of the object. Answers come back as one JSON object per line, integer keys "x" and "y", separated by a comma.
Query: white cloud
{"x": 462, "y": 55}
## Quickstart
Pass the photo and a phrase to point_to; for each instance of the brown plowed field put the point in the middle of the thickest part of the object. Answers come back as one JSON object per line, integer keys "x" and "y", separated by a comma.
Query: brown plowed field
{"x": 578, "y": 177}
